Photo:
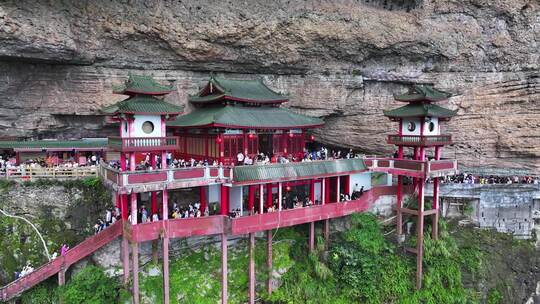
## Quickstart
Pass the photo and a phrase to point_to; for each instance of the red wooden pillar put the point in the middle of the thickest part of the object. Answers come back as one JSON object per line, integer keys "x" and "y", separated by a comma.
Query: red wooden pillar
{"x": 17, "y": 158}
{"x": 269, "y": 195}
{"x": 124, "y": 206}
{"x": 435, "y": 206}
{"x": 135, "y": 251}
{"x": 251, "y": 199}
{"x": 153, "y": 194}
{"x": 252, "y": 268}
{"x": 312, "y": 190}
{"x": 269, "y": 260}
{"x": 399, "y": 220}
{"x": 224, "y": 200}
{"x": 224, "y": 269}
{"x": 123, "y": 166}
{"x": 420, "y": 234}
{"x": 327, "y": 190}
{"x": 165, "y": 215}
{"x": 203, "y": 199}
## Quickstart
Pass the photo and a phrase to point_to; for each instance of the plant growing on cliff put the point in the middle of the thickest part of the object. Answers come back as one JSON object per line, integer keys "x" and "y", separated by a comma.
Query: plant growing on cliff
{"x": 91, "y": 285}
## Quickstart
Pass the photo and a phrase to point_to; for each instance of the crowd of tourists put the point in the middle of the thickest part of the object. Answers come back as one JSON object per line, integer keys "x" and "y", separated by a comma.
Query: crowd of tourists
{"x": 191, "y": 211}
{"x": 49, "y": 161}
{"x": 465, "y": 178}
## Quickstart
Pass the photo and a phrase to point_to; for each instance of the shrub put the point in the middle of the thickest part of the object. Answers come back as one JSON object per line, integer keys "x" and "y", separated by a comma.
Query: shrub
{"x": 91, "y": 286}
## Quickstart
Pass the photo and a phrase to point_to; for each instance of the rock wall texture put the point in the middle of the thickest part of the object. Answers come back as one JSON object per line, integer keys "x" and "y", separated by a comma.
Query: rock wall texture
{"x": 340, "y": 60}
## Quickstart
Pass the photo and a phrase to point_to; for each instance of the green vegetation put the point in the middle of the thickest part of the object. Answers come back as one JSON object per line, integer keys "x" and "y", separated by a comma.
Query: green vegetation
{"x": 364, "y": 267}
{"x": 464, "y": 265}
{"x": 91, "y": 285}
{"x": 195, "y": 274}
{"x": 20, "y": 244}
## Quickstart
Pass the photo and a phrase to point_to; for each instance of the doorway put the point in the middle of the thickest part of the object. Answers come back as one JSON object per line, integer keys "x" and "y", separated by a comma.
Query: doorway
{"x": 266, "y": 144}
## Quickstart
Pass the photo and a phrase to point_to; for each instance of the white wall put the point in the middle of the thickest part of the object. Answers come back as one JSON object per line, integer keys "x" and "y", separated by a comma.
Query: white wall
{"x": 436, "y": 130}
{"x": 138, "y": 122}
{"x": 235, "y": 198}
{"x": 362, "y": 179}
{"x": 214, "y": 193}
{"x": 318, "y": 192}
{"x": 405, "y": 125}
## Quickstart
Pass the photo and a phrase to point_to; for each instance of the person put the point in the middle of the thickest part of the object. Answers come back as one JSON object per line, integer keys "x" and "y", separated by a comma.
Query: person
{"x": 96, "y": 227}
{"x": 155, "y": 217}
{"x": 240, "y": 158}
{"x": 94, "y": 159}
{"x": 108, "y": 217}
{"x": 64, "y": 249}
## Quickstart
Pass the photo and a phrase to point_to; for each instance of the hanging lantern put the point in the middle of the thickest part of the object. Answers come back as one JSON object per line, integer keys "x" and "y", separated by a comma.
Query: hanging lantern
{"x": 312, "y": 137}
{"x": 251, "y": 135}
{"x": 291, "y": 135}
{"x": 218, "y": 139}
{"x": 288, "y": 188}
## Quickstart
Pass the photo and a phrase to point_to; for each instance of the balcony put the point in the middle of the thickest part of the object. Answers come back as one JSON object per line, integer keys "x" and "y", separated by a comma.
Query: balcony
{"x": 143, "y": 144}
{"x": 157, "y": 180}
{"x": 417, "y": 140}
{"x": 413, "y": 168}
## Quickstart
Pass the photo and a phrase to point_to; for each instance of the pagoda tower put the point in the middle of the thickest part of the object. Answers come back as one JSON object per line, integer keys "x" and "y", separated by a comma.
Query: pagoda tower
{"x": 142, "y": 121}
{"x": 420, "y": 130}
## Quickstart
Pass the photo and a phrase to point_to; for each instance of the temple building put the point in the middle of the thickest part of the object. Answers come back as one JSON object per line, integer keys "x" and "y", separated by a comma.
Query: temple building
{"x": 227, "y": 121}
{"x": 232, "y": 116}
{"x": 420, "y": 129}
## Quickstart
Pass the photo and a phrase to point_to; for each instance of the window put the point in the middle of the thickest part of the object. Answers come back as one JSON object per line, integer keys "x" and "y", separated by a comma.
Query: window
{"x": 125, "y": 127}
{"x": 431, "y": 126}
{"x": 148, "y": 127}
{"x": 411, "y": 126}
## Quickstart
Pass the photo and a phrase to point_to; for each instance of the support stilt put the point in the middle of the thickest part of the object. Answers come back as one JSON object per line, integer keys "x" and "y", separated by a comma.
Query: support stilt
{"x": 125, "y": 259}
{"x": 223, "y": 268}
{"x": 165, "y": 210}
{"x": 420, "y": 234}
{"x": 135, "y": 257}
{"x": 62, "y": 277}
{"x": 252, "y": 268}
{"x": 166, "y": 270}
{"x": 311, "y": 236}
{"x": 269, "y": 260}
{"x": 326, "y": 233}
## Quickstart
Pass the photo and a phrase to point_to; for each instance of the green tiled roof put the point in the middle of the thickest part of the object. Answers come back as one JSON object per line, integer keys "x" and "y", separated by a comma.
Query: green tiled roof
{"x": 142, "y": 84}
{"x": 296, "y": 171}
{"x": 238, "y": 90}
{"x": 422, "y": 93}
{"x": 249, "y": 117}
{"x": 420, "y": 110}
{"x": 141, "y": 104}
{"x": 98, "y": 143}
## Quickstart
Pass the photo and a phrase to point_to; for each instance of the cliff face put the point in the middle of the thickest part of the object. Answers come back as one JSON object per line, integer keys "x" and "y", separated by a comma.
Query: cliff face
{"x": 340, "y": 60}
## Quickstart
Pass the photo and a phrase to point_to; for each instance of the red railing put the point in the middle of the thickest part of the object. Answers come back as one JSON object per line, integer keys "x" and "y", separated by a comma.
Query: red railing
{"x": 413, "y": 168}
{"x": 61, "y": 263}
{"x": 130, "y": 144}
{"x": 417, "y": 140}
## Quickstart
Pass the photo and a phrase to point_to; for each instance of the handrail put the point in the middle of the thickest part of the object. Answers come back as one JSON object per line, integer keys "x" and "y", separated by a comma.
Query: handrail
{"x": 52, "y": 172}
{"x": 419, "y": 139}
{"x": 61, "y": 263}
